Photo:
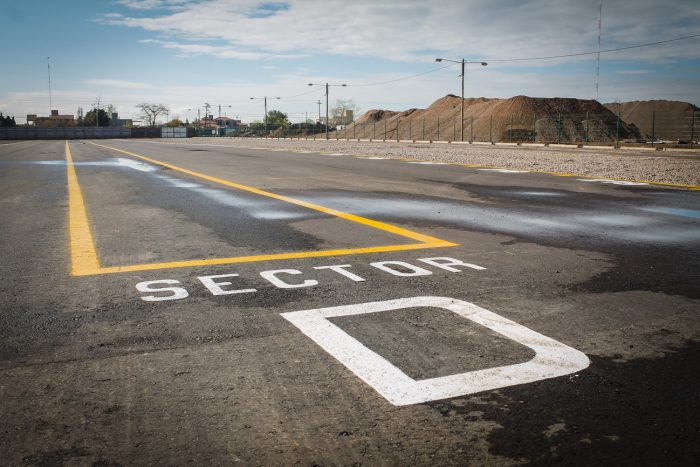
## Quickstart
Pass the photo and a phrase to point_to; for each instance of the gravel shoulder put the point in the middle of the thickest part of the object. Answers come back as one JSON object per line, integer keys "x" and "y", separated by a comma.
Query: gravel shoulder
{"x": 669, "y": 167}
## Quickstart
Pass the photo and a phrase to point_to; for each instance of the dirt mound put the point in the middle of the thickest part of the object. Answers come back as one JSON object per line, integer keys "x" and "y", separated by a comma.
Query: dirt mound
{"x": 660, "y": 119}
{"x": 520, "y": 118}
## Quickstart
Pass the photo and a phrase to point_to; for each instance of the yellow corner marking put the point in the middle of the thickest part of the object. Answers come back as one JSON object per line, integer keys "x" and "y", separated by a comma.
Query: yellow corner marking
{"x": 269, "y": 257}
{"x": 82, "y": 237}
{"x": 82, "y": 245}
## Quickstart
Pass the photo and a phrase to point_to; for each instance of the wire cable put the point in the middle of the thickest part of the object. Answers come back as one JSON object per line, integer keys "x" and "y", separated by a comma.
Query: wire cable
{"x": 590, "y": 53}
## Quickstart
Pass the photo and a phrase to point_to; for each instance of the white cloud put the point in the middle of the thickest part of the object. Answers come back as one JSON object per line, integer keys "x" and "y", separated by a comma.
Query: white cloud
{"x": 117, "y": 83}
{"x": 403, "y": 30}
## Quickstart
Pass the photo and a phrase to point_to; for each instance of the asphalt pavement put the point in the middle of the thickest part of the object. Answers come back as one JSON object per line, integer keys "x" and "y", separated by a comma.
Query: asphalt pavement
{"x": 168, "y": 304}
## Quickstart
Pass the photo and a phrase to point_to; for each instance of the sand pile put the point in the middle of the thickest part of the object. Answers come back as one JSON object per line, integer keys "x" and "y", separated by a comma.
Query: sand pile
{"x": 669, "y": 120}
{"x": 520, "y": 118}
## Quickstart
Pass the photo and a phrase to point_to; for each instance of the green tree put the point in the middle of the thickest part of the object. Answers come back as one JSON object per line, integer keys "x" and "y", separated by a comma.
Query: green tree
{"x": 7, "y": 121}
{"x": 275, "y": 118}
{"x": 102, "y": 117}
{"x": 175, "y": 122}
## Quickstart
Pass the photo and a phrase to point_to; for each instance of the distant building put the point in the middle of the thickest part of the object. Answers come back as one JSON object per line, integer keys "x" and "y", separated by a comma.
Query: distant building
{"x": 219, "y": 122}
{"x": 120, "y": 122}
{"x": 345, "y": 118}
{"x": 53, "y": 120}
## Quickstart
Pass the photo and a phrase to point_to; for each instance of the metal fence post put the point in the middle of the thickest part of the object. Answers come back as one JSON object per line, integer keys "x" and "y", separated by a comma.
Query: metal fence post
{"x": 559, "y": 128}
{"x": 438, "y": 130}
{"x": 423, "y": 130}
{"x": 385, "y": 130}
{"x": 397, "y": 129}
{"x": 692, "y": 128}
{"x": 617, "y": 129}
{"x": 454, "y": 128}
{"x": 409, "y": 130}
{"x": 374, "y": 129}
{"x": 653, "y": 127}
{"x": 491, "y": 129}
{"x": 471, "y": 129}
{"x": 534, "y": 129}
{"x": 585, "y": 136}
{"x": 510, "y": 133}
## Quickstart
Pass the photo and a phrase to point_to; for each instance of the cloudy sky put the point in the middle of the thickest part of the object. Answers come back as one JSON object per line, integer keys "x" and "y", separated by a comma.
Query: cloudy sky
{"x": 185, "y": 53}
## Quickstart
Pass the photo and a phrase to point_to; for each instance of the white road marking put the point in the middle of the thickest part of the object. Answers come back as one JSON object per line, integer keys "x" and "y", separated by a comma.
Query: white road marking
{"x": 552, "y": 358}
{"x": 428, "y": 163}
{"x": 506, "y": 171}
{"x": 333, "y": 154}
{"x": 612, "y": 182}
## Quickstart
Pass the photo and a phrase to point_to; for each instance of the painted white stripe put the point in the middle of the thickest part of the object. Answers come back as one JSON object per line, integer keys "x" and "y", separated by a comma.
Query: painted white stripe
{"x": 552, "y": 358}
{"x": 612, "y": 182}
{"x": 506, "y": 171}
{"x": 428, "y": 163}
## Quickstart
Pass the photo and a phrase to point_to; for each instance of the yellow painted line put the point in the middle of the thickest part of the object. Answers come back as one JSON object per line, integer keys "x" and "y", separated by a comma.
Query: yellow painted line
{"x": 268, "y": 257}
{"x": 82, "y": 245}
{"x": 82, "y": 238}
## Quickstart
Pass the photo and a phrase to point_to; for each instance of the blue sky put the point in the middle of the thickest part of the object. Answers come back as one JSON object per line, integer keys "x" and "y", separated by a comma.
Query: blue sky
{"x": 184, "y": 53}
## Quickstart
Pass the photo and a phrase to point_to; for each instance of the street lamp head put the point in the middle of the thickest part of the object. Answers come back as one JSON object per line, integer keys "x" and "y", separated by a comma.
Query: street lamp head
{"x": 438, "y": 59}
{"x": 252, "y": 98}
{"x": 311, "y": 84}
{"x": 484, "y": 63}
{"x": 343, "y": 85}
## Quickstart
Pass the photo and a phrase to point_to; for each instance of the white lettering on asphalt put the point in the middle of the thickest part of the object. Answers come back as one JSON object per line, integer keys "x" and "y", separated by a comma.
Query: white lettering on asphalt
{"x": 415, "y": 270}
{"x": 447, "y": 263}
{"x": 220, "y": 287}
{"x": 276, "y": 281}
{"x": 215, "y": 287}
{"x": 340, "y": 269}
{"x": 177, "y": 292}
{"x": 552, "y": 358}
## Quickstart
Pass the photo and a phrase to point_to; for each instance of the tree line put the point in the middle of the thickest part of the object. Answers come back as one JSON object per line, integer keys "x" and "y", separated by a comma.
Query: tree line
{"x": 7, "y": 121}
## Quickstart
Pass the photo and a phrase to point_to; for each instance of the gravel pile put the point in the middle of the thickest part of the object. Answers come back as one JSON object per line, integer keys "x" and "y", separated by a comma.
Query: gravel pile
{"x": 628, "y": 164}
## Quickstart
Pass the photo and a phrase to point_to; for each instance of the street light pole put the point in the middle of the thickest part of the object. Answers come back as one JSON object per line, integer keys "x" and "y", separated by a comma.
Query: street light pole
{"x": 327, "y": 86}
{"x": 264, "y": 98}
{"x": 461, "y": 107}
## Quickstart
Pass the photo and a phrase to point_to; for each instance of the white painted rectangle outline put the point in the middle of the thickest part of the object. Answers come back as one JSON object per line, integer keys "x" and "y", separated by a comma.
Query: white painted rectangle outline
{"x": 552, "y": 358}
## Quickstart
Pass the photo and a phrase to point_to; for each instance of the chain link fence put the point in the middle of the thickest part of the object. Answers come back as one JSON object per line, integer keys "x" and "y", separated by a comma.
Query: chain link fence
{"x": 678, "y": 129}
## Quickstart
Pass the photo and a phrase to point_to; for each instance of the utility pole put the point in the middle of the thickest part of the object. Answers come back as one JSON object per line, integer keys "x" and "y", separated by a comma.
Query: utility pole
{"x": 319, "y": 109}
{"x": 48, "y": 66}
{"x": 327, "y": 86}
{"x": 461, "y": 107}
{"x": 97, "y": 113}
{"x": 264, "y": 98}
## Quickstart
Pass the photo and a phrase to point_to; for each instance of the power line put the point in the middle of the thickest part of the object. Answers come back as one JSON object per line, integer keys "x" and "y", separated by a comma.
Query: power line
{"x": 402, "y": 78}
{"x": 590, "y": 53}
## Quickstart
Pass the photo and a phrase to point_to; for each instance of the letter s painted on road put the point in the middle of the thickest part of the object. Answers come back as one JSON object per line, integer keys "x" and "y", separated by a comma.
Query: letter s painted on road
{"x": 177, "y": 292}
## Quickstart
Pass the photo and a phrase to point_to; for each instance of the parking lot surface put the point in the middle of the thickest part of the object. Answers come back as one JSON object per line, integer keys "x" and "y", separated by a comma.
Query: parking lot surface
{"x": 190, "y": 304}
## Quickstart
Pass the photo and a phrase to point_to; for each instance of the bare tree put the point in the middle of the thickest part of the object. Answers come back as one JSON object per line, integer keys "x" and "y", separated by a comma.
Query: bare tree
{"x": 150, "y": 111}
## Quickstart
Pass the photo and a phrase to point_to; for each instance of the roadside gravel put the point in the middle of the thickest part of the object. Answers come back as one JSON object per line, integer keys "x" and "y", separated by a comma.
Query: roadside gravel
{"x": 671, "y": 167}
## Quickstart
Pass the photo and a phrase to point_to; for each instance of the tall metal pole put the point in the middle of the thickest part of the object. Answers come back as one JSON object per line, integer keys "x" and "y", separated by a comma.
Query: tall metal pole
{"x": 265, "y": 99}
{"x": 48, "y": 66}
{"x": 461, "y": 108}
{"x": 327, "y": 112}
